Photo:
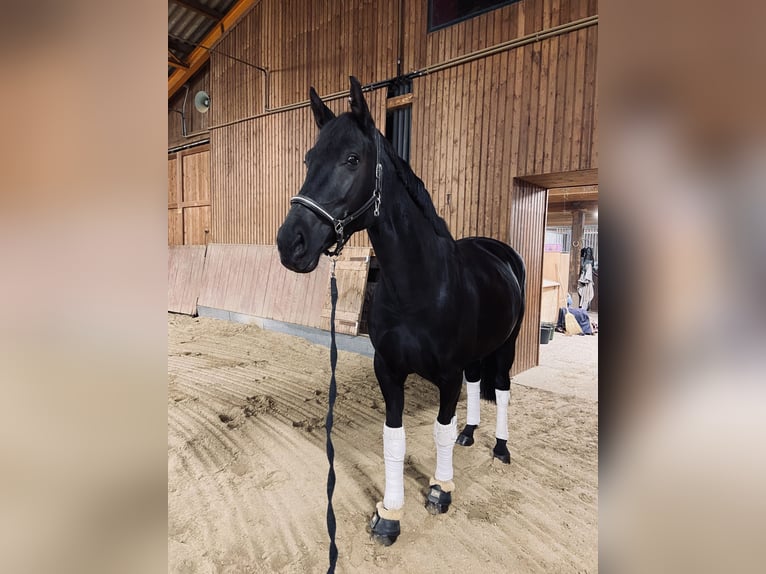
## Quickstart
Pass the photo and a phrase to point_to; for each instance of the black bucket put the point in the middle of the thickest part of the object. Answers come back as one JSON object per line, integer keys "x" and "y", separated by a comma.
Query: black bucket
{"x": 546, "y": 333}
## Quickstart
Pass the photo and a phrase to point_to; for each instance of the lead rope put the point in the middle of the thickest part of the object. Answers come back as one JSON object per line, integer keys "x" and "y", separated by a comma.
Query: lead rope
{"x": 328, "y": 424}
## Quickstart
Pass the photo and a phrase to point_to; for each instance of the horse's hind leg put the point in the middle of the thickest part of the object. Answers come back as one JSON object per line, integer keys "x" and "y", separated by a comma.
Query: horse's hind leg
{"x": 504, "y": 357}
{"x": 441, "y": 485}
{"x": 472, "y": 380}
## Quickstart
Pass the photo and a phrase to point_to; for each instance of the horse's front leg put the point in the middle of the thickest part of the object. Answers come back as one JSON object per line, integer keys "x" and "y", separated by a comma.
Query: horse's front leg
{"x": 445, "y": 432}
{"x": 384, "y": 525}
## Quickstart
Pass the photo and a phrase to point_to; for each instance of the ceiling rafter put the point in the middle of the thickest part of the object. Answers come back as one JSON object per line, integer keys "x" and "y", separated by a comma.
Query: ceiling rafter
{"x": 201, "y": 53}
{"x": 175, "y": 62}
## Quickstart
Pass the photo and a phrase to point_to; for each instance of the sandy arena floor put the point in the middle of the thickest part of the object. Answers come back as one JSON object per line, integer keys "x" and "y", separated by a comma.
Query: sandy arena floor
{"x": 247, "y": 465}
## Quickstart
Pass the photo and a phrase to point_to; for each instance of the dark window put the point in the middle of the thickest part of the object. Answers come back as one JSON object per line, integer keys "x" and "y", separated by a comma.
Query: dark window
{"x": 399, "y": 121}
{"x": 443, "y": 13}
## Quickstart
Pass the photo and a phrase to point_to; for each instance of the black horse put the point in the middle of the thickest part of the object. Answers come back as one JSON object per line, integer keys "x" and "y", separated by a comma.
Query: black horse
{"x": 447, "y": 310}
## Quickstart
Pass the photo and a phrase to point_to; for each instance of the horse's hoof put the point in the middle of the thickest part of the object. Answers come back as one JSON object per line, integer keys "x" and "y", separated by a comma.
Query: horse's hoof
{"x": 504, "y": 457}
{"x": 438, "y": 501}
{"x": 384, "y": 531}
{"x": 464, "y": 440}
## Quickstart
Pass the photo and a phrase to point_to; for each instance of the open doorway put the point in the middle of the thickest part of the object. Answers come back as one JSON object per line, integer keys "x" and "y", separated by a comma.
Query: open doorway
{"x": 571, "y": 227}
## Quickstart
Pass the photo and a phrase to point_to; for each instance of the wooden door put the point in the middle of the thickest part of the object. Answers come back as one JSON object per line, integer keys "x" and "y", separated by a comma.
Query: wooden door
{"x": 351, "y": 272}
{"x": 189, "y": 197}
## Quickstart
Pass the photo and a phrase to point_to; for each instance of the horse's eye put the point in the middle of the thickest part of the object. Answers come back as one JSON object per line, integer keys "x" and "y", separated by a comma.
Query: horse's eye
{"x": 352, "y": 159}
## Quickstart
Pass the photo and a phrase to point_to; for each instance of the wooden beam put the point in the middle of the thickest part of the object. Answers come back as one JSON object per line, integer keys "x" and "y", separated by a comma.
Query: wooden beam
{"x": 200, "y": 9}
{"x": 564, "y": 179}
{"x": 397, "y": 102}
{"x": 201, "y": 53}
{"x": 174, "y": 61}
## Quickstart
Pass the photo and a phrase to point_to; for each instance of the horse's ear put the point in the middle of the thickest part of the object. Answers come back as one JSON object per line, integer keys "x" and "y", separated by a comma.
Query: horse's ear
{"x": 359, "y": 105}
{"x": 322, "y": 114}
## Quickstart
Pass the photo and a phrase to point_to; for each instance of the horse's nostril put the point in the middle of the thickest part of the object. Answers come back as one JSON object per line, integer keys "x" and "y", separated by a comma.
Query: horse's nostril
{"x": 299, "y": 245}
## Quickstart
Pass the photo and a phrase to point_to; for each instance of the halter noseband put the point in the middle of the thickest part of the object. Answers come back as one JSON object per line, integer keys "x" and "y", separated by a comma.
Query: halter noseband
{"x": 340, "y": 224}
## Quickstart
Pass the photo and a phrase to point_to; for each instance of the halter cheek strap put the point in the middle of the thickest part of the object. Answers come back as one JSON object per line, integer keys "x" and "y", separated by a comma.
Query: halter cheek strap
{"x": 339, "y": 225}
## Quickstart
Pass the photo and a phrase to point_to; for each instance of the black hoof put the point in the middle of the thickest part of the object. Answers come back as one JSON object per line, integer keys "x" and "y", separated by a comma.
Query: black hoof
{"x": 438, "y": 501}
{"x": 464, "y": 440}
{"x": 384, "y": 531}
{"x": 502, "y": 456}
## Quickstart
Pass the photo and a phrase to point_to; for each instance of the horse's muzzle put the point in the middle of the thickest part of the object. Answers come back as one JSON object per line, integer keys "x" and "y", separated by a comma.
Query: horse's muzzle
{"x": 297, "y": 251}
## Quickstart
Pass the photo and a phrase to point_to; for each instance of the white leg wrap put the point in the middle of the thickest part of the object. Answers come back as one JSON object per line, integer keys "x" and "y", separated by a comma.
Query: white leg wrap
{"x": 502, "y": 398}
{"x": 473, "y": 391}
{"x": 444, "y": 437}
{"x": 394, "y": 448}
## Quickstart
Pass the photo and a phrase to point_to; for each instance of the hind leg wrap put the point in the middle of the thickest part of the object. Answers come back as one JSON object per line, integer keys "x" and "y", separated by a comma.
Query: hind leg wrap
{"x": 501, "y": 428}
{"x": 473, "y": 390}
{"x": 394, "y": 449}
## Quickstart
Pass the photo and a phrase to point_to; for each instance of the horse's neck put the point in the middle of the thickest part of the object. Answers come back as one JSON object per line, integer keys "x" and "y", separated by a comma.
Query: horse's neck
{"x": 410, "y": 253}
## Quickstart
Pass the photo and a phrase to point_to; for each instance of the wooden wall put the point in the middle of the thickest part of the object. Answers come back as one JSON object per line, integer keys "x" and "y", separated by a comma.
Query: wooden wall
{"x": 318, "y": 43}
{"x": 257, "y": 166}
{"x": 501, "y": 117}
{"x": 250, "y": 279}
{"x": 423, "y": 49}
{"x": 196, "y": 123}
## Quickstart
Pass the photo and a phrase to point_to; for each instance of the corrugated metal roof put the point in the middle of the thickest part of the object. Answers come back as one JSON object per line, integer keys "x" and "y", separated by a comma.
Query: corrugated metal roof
{"x": 187, "y": 26}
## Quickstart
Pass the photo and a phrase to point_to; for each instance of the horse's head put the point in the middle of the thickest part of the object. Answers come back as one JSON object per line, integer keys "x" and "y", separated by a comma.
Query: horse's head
{"x": 341, "y": 193}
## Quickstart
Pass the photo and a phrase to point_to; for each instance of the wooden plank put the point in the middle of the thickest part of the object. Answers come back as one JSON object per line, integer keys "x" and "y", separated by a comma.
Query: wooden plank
{"x": 589, "y": 96}
{"x": 173, "y": 195}
{"x": 175, "y": 227}
{"x": 534, "y": 102}
{"x": 579, "y": 96}
{"x": 486, "y": 116}
{"x": 498, "y": 173}
{"x": 396, "y": 102}
{"x": 196, "y": 225}
{"x": 542, "y": 105}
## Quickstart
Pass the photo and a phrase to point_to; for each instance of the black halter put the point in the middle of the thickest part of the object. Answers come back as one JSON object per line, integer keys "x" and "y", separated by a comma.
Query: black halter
{"x": 340, "y": 224}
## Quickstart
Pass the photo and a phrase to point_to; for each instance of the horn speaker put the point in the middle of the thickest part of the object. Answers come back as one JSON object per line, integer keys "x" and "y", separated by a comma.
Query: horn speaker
{"x": 202, "y": 102}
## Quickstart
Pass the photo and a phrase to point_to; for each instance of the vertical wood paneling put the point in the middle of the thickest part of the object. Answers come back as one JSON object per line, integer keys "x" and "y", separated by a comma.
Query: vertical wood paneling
{"x": 196, "y": 122}
{"x": 258, "y": 165}
{"x": 527, "y": 233}
{"x": 501, "y": 117}
{"x": 527, "y": 16}
{"x": 185, "y": 270}
{"x": 249, "y": 279}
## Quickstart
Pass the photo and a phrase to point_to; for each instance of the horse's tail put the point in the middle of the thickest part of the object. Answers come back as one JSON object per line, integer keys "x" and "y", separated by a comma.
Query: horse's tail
{"x": 489, "y": 364}
{"x": 488, "y": 372}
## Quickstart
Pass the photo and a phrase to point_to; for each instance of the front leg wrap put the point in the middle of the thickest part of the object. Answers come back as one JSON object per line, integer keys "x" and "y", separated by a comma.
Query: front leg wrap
{"x": 394, "y": 449}
{"x": 441, "y": 485}
{"x": 384, "y": 524}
